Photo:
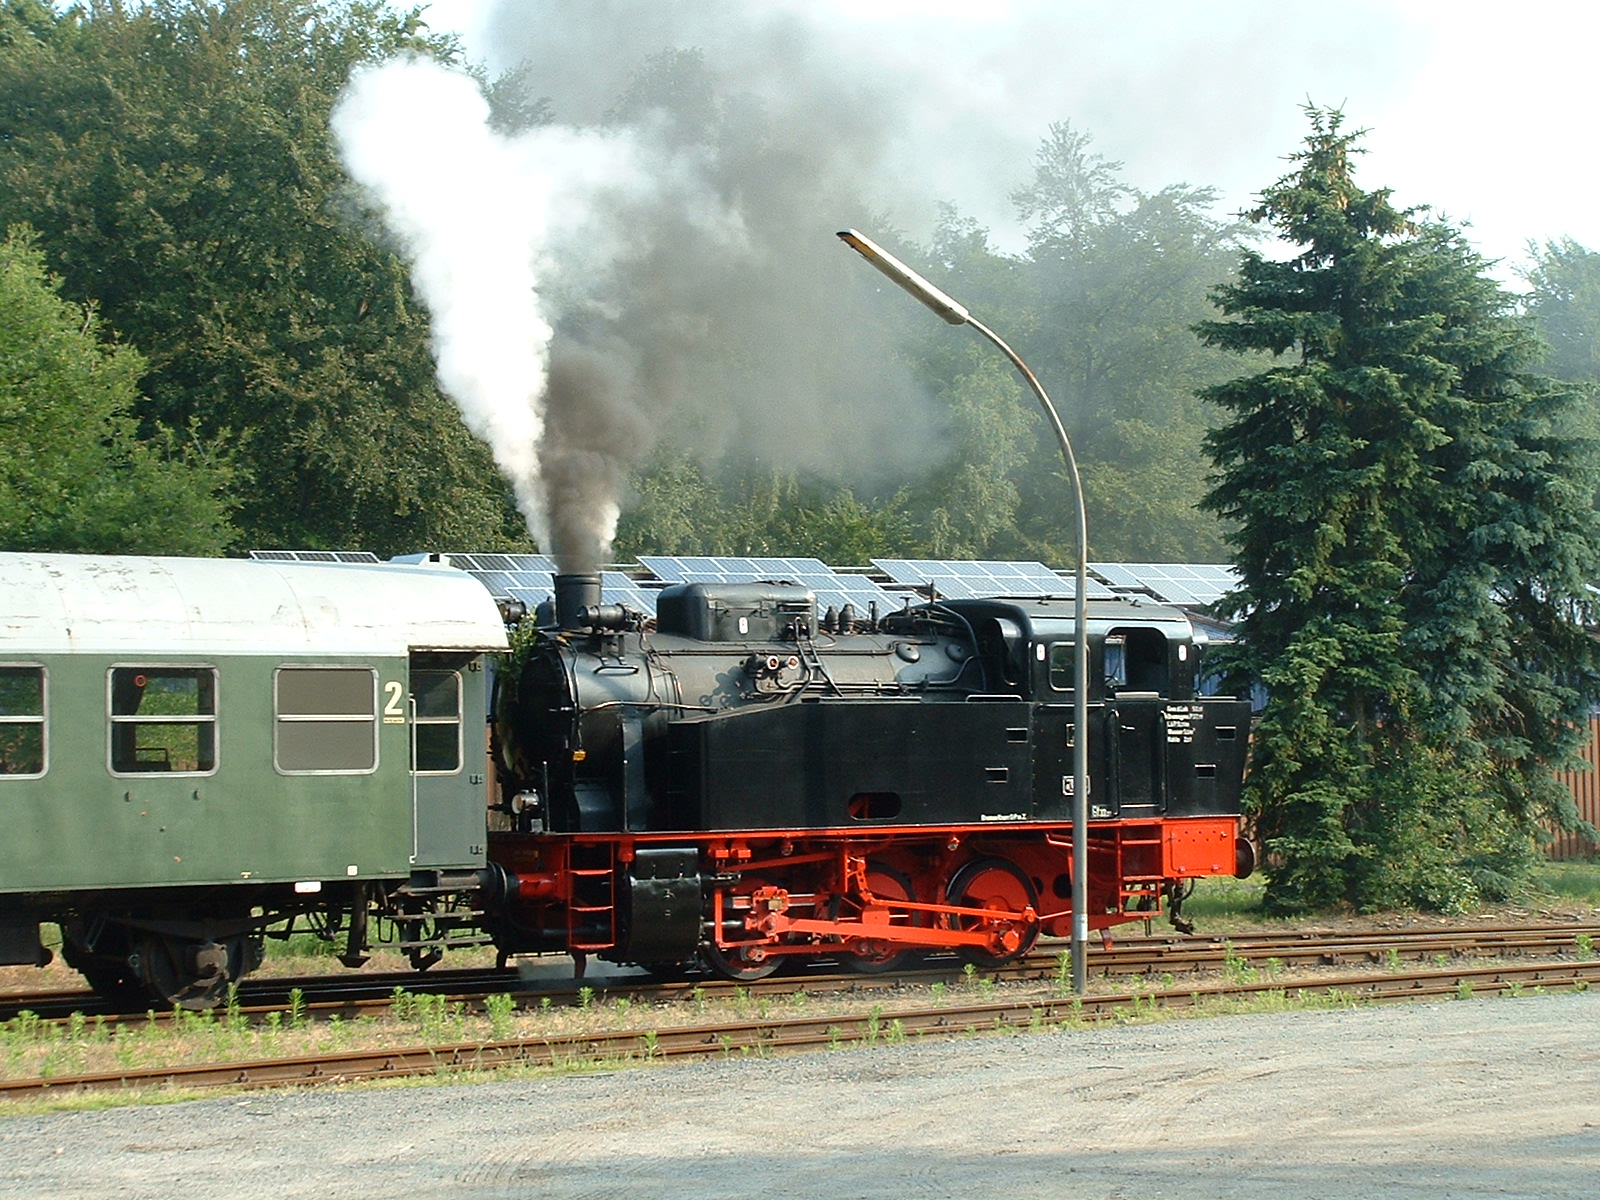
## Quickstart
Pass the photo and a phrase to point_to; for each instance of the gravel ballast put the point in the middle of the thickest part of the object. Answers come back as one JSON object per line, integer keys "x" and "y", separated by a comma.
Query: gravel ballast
{"x": 1463, "y": 1099}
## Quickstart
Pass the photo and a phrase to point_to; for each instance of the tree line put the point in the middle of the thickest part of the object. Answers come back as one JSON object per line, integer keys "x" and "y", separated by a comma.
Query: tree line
{"x": 207, "y": 346}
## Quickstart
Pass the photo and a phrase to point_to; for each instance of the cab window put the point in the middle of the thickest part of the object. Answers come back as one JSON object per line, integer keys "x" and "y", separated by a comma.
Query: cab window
{"x": 1061, "y": 666}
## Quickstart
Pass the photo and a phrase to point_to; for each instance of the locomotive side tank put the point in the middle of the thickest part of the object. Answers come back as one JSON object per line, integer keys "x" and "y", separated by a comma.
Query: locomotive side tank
{"x": 747, "y": 782}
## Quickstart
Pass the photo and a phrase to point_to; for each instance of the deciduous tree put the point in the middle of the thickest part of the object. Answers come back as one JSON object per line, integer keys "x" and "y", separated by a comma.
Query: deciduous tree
{"x": 73, "y": 475}
{"x": 176, "y": 159}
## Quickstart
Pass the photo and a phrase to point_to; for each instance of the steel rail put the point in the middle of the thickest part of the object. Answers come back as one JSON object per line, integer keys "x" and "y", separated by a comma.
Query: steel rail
{"x": 769, "y": 1036}
{"x": 352, "y": 996}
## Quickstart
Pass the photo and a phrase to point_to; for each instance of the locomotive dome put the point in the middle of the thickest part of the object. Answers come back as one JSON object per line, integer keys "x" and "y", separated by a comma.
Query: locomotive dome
{"x": 136, "y": 605}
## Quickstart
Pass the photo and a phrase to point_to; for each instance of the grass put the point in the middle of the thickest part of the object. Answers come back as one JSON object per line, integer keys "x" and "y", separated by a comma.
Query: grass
{"x": 1224, "y": 905}
{"x": 1569, "y": 881}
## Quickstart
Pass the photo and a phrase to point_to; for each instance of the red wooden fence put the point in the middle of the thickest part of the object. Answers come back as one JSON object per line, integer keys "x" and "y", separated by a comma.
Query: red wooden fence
{"x": 1585, "y": 786}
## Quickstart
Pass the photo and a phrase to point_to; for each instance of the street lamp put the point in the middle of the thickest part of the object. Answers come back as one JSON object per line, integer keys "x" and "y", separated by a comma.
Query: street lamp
{"x": 957, "y": 314}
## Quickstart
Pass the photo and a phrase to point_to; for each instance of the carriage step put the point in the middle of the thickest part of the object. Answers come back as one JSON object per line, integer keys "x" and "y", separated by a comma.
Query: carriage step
{"x": 446, "y": 943}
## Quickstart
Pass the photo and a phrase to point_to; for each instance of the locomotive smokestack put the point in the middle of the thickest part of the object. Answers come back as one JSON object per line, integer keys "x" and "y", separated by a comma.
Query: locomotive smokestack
{"x": 574, "y": 593}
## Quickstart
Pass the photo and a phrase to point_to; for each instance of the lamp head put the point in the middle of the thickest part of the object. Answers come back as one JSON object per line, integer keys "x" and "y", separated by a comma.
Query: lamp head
{"x": 905, "y": 277}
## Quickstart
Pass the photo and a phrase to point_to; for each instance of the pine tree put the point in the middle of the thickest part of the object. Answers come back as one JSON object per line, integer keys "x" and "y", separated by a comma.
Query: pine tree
{"x": 1413, "y": 538}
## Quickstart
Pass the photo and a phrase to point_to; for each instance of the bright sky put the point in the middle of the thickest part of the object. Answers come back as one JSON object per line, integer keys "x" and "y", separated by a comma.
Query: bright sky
{"x": 1484, "y": 110}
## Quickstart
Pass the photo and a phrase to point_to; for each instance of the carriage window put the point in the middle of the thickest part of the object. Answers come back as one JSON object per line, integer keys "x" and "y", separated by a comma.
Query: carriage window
{"x": 21, "y": 721}
{"x": 326, "y": 720}
{"x": 163, "y": 719}
{"x": 437, "y": 724}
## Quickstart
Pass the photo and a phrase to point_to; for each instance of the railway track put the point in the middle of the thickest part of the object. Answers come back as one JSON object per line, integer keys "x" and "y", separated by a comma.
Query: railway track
{"x": 767, "y": 1036}
{"x": 353, "y": 996}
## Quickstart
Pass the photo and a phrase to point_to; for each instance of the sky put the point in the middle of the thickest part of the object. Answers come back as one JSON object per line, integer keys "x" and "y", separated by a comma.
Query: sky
{"x": 1480, "y": 110}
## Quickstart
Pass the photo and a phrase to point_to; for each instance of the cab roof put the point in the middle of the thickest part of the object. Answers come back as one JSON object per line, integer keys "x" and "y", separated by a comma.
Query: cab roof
{"x": 123, "y": 605}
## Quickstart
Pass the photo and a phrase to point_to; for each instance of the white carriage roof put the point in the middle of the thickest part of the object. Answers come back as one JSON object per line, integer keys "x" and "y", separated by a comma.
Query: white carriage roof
{"x": 51, "y": 603}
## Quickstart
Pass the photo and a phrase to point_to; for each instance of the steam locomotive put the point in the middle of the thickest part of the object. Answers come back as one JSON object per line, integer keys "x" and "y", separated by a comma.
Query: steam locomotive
{"x": 748, "y": 783}
{"x": 198, "y": 754}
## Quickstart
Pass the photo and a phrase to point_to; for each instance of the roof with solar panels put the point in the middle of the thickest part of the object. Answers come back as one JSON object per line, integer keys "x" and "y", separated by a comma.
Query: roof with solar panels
{"x": 888, "y": 585}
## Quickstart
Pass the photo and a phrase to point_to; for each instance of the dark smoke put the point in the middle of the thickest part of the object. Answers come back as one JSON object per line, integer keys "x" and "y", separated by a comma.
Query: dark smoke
{"x": 748, "y": 332}
{"x": 593, "y": 433}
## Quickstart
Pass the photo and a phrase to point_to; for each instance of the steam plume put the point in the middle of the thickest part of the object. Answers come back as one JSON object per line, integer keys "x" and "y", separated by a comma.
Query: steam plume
{"x": 472, "y": 217}
{"x": 476, "y": 213}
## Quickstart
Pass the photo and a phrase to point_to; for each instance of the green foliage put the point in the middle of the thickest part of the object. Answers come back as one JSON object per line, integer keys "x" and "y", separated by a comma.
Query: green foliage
{"x": 1115, "y": 278}
{"x": 175, "y": 157}
{"x": 1564, "y": 301}
{"x": 73, "y": 473}
{"x": 1414, "y": 538}
{"x": 679, "y": 507}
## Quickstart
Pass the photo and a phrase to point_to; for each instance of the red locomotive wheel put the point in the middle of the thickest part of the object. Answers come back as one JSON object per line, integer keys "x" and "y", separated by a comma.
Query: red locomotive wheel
{"x": 999, "y": 886}
{"x": 878, "y": 958}
{"x": 733, "y": 962}
{"x": 743, "y": 964}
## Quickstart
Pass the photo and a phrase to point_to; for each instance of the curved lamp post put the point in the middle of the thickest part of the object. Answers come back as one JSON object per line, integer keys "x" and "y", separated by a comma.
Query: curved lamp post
{"x": 956, "y": 314}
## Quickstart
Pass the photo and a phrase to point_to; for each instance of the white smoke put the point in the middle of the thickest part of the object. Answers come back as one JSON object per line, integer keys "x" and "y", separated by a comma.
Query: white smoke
{"x": 476, "y": 213}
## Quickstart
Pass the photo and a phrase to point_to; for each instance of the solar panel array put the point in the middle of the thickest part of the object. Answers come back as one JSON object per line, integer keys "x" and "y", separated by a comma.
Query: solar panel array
{"x": 830, "y": 587}
{"x": 527, "y": 577}
{"x": 617, "y": 588}
{"x": 957, "y": 580}
{"x": 1173, "y": 583}
{"x": 315, "y": 556}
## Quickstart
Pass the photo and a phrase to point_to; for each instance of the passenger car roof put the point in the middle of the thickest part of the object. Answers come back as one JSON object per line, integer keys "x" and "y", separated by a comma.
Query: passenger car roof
{"x": 128, "y": 605}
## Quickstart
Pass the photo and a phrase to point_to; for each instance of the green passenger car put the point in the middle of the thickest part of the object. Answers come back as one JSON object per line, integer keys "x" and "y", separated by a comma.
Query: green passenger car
{"x": 195, "y": 750}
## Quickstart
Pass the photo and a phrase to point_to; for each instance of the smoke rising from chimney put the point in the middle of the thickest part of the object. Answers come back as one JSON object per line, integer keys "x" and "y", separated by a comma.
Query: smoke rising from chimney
{"x": 674, "y": 252}
{"x": 471, "y": 217}
{"x": 476, "y": 214}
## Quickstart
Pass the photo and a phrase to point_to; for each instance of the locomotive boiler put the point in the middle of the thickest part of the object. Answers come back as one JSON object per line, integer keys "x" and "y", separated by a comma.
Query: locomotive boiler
{"x": 750, "y": 782}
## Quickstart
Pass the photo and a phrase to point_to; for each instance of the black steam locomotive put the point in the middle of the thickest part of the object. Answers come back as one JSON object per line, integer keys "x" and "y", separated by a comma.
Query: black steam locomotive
{"x": 749, "y": 782}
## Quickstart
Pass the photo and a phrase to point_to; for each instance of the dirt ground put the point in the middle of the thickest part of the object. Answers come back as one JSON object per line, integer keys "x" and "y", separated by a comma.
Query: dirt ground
{"x": 1484, "y": 1097}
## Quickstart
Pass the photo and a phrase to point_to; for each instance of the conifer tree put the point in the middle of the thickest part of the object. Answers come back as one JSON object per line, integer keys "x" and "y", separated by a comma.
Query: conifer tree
{"x": 1414, "y": 539}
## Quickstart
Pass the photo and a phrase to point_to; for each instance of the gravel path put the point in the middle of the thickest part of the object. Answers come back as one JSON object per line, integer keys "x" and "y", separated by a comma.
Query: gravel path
{"x": 1464, "y": 1099}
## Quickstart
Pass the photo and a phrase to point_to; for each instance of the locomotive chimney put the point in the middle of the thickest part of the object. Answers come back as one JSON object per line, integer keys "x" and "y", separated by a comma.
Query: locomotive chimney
{"x": 574, "y": 593}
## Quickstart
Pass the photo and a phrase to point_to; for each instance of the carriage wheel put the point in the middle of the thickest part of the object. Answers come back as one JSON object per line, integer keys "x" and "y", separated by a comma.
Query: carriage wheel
{"x": 106, "y": 967}
{"x": 190, "y": 973}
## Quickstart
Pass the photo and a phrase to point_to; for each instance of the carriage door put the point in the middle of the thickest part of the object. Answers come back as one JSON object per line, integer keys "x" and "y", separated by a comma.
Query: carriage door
{"x": 448, "y": 764}
{"x": 1136, "y": 676}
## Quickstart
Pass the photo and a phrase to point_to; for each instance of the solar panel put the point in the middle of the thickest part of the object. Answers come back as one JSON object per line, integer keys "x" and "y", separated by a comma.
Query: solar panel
{"x": 831, "y": 588}
{"x": 617, "y": 588}
{"x": 957, "y": 579}
{"x": 316, "y": 556}
{"x": 1195, "y": 584}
